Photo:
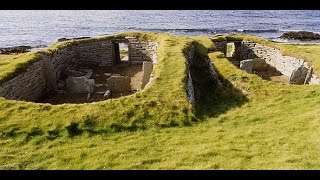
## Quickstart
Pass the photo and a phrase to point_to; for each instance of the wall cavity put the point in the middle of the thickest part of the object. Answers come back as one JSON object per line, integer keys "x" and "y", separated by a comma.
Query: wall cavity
{"x": 190, "y": 61}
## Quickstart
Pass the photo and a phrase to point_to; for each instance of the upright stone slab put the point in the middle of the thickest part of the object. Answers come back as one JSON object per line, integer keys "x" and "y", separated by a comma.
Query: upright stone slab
{"x": 147, "y": 68}
{"x": 246, "y": 65}
{"x": 298, "y": 75}
{"x": 119, "y": 83}
{"x": 79, "y": 84}
{"x": 251, "y": 65}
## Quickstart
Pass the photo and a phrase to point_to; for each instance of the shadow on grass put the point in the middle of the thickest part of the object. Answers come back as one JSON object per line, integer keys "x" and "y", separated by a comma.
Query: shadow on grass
{"x": 212, "y": 99}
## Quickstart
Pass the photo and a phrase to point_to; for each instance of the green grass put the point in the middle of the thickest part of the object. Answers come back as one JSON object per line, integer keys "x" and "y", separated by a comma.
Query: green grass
{"x": 123, "y": 53}
{"x": 10, "y": 65}
{"x": 249, "y": 123}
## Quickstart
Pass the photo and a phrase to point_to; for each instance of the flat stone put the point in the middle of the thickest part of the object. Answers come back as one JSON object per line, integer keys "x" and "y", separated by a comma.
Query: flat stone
{"x": 98, "y": 85}
{"x": 107, "y": 74}
{"x": 107, "y": 94}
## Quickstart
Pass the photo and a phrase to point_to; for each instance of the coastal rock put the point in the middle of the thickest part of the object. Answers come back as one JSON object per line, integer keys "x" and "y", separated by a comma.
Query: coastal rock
{"x": 15, "y": 50}
{"x": 66, "y": 39}
{"x": 300, "y": 35}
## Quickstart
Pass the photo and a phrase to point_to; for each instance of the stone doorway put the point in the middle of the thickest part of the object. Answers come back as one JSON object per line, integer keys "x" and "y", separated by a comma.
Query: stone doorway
{"x": 120, "y": 52}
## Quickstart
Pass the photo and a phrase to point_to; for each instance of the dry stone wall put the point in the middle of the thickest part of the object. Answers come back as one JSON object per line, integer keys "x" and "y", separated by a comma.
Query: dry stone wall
{"x": 142, "y": 50}
{"x": 94, "y": 53}
{"x": 296, "y": 69}
{"x": 28, "y": 85}
{"x": 221, "y": 46}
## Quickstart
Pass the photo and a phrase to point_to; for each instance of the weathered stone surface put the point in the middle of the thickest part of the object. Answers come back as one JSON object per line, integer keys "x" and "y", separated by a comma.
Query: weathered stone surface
{"x": 79, "y": 84}
{"x": 300, "y": 35}
{"x": 247, "y": 65}
{"x": 74, "y": 73}
{"x": 298, "y": 75}
{"x": 147, "y": 68}
{"x": 119, "y": 83}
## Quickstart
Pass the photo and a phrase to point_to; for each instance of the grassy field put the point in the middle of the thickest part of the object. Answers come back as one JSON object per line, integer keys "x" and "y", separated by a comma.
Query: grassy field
{"x": 249, "y": 123}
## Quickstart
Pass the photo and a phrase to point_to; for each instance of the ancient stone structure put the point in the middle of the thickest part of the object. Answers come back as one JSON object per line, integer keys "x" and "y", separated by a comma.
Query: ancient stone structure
{"x": 45, "y": 74}
{"x": 248, "y": 53}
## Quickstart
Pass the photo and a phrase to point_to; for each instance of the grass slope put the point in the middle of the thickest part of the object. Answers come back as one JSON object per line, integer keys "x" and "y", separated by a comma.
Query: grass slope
{"x": 249, "y": 123}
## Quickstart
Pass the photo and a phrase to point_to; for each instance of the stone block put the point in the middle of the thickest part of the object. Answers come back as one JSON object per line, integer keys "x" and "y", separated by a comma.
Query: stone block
{"x": 119, "y": 83}
{"x": 246, "y": 65}
{"x": 298, "y": 75}
{"x": 79, "y": 84}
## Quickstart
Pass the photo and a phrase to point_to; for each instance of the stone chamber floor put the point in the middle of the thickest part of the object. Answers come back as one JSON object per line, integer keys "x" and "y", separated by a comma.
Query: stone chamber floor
{"x": 100, "y": 75}
{"x": 270, "y": 74}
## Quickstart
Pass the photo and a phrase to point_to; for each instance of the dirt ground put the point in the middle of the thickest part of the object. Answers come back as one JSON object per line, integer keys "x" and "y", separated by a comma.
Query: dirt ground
{"x": 270, "y": 74}
{"x": 133, "y": 71}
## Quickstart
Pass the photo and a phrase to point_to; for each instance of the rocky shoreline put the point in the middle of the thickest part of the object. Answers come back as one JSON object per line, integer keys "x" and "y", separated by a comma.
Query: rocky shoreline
{"x": 300, "y": 35}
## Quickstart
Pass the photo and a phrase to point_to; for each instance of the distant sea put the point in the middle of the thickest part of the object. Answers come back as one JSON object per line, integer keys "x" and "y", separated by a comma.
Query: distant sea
{"x": 43, "y": 27}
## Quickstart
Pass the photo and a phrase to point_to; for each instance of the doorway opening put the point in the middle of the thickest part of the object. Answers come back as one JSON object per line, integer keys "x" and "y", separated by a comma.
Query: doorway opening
{"x": 120, "y": 52}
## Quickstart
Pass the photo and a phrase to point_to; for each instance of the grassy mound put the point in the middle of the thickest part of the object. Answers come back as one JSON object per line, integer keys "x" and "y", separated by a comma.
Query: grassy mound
{"x": 250, "y": 123}
{"x": 163, "y": 104}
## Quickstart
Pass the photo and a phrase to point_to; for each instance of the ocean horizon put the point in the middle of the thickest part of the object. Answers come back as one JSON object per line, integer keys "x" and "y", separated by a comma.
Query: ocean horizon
{"x": 44, "y": 27}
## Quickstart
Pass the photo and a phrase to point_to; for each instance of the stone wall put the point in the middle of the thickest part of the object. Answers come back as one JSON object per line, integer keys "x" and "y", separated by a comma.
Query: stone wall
{"x": 94, "y": 53}
{"x": 296, "y": 69}
{"x": 56, "y": 63}
{"x": 142, "y": 50}
{"x": 221, "y": 46}
{"x": 189, "y": 61}
{"x": 28, "y": 85}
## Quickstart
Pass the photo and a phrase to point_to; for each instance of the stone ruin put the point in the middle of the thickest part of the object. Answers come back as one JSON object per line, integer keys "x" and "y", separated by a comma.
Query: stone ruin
{"x": 269, "y": 63}
{"x": 85, "y": 71}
